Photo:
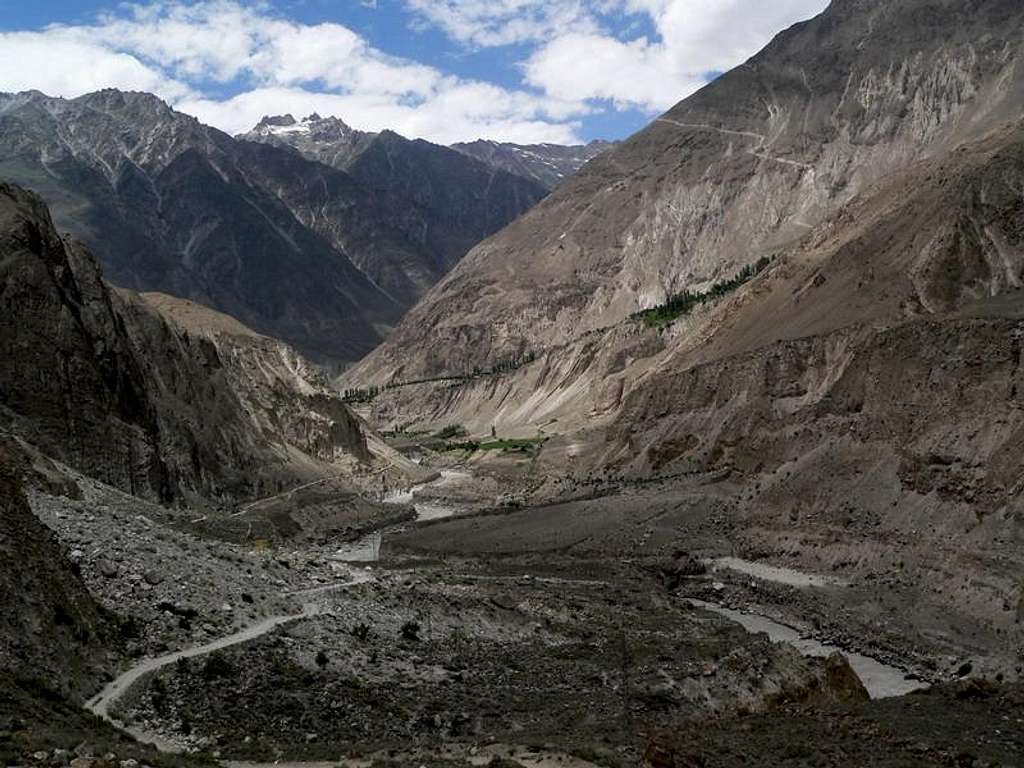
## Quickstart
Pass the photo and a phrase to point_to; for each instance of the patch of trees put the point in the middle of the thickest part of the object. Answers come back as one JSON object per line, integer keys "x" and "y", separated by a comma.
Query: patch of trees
{"x": 361, "y": 395}
{"x": 681, "y": 304}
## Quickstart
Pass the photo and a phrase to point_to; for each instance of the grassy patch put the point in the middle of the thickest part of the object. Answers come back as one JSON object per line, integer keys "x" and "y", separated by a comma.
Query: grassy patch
{"x": 524, "y": 445}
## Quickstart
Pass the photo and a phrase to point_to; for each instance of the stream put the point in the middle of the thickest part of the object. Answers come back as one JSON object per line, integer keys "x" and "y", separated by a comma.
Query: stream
{"x": 880, "y": 680}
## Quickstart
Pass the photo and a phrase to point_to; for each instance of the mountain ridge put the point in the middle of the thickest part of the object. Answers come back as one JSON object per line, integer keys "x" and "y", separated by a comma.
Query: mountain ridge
{"x": 549, "y": 164}
{"x": 794, "y": 138}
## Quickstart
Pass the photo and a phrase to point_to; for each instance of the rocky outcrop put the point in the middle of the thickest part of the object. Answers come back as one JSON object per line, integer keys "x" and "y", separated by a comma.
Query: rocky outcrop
{"x": 547, "y": 164}
{"x": 108, "y": 385}
{"x": 281, "y": 392}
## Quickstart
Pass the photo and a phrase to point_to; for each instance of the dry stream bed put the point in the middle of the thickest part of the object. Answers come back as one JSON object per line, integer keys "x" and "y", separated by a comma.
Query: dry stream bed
{"x": 378, "y": 654}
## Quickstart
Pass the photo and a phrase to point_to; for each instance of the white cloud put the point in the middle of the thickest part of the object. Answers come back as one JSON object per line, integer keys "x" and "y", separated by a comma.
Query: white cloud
{"x": 704, "y": 36}
{"x": 634, "y": 74}
{"x": 184, "y": 52}
{"x": 581, "y": 52}
{"x": 489, "y": 23}
{"x": 60, "y": 65}
{"x": 578, "y": 57}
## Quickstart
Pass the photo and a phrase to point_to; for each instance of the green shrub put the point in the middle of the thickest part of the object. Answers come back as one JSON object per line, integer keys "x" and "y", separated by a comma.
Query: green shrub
{"x": 216, "y": 666}
{"x": 411, "y": 631}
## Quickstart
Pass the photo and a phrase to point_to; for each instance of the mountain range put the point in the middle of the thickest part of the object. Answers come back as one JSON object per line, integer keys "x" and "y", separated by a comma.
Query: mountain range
{"x": 332, "y": 142}
{"x": 324, "y": 255}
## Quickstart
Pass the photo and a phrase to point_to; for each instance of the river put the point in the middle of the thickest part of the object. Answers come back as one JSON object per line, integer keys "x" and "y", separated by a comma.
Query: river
{"x": 367, "y": 548}
{"x": 880, "y": 680}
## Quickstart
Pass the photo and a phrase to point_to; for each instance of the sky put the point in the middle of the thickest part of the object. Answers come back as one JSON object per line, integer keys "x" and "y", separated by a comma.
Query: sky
{"x": 527, "y": 71}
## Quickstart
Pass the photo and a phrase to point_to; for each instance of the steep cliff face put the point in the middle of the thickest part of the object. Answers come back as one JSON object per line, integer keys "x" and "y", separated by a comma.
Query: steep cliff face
{"x": 105, "y": 383}
{"x": 51, "y": 630}
{"x": 743, "y": 168}
{"x": 69, "y": 373}
{"x": 440, "y": 201}
{"x": 547, "y": 164}
{"x": 284, "y": 396}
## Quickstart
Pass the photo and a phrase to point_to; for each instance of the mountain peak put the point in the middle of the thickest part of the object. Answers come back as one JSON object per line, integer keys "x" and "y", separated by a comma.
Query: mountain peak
{"x": 116, "y": 99}
{"x": 276, "y": 121}
{"x": 313, "y": 126}
{"x": 20, "y": 99}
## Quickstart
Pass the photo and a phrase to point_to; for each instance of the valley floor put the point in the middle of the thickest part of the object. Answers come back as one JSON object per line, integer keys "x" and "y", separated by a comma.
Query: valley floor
{"x": 598, "y": 631}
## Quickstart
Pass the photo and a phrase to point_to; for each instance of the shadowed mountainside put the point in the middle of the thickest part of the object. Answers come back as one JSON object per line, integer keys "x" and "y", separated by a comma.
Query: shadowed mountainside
{"x": 103, "y": 382}
{"x": 442, "y": 201}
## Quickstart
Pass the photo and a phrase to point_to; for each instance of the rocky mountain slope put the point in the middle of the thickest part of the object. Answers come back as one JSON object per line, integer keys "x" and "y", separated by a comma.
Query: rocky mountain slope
{"x": 548, "y": 164}
{"x": 851, "y": 405}
{"x": 448, "y": 202}
{"x": 160, "y": 408}
{"x": 743, "y": 168}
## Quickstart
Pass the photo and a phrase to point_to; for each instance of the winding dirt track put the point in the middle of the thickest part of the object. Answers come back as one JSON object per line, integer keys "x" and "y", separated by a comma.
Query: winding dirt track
{"x": 762, "y": 141}
{"x": 102, "y": 703}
